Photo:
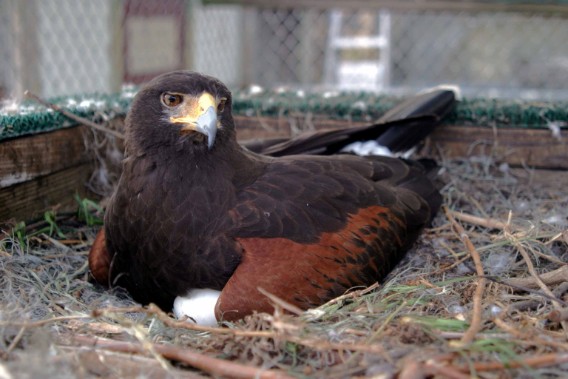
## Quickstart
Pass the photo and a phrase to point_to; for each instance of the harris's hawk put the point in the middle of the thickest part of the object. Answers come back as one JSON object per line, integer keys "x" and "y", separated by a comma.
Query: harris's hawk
{"x": 193, "y": 209}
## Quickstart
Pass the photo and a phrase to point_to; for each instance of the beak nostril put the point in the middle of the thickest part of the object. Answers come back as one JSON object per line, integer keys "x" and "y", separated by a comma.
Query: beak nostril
{"x": 205, "y": 123}
{"x": 199, "y": 115}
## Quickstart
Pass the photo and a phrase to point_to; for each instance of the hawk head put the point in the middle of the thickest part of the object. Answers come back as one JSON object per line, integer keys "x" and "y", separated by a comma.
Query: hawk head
{"x": 182, "y": 109}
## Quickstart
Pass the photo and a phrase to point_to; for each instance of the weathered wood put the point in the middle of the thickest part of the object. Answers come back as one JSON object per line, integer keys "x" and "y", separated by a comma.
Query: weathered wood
{"x": 553, "y": 178}
{"x": 517, "y": 147}
{"x": 25, "y": 201}
{"x": 26, "y": 158}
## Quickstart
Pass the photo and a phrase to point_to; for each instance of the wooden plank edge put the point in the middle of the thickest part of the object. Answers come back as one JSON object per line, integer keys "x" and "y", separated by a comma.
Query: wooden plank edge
{"x": 29, "y": 200}
{"x": 516, "y": 146}
{"x": 536, "y": 148}
{"x": 29, "y": 157}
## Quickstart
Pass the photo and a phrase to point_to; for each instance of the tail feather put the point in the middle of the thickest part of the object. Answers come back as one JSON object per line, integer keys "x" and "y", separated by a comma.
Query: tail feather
{"x": 422, "y": 113}
{"x": 399, "y": 130}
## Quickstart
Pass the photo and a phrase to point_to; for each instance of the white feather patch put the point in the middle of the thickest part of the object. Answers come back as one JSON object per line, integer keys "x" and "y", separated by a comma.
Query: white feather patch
{"x": 198, "y": 305}
{"x": 367, "y": 148}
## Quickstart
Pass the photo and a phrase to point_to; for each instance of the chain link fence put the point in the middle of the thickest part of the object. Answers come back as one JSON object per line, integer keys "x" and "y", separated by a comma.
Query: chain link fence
{"x": 63, "y": 47}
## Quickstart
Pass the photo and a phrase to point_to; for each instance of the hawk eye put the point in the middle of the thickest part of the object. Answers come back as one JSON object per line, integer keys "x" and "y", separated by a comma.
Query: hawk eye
{"x": 171, "y": 99}
{"x": 221, "y": 104}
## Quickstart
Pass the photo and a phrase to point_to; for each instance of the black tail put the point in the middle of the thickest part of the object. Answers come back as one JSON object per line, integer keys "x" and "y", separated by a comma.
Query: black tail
{"x": 400, "y": 129}
{"x": 420, "y": 115}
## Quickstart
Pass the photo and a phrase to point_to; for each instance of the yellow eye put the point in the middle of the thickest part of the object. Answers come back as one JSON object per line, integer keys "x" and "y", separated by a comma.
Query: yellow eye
{"x": 171, "y": 99}
{"x": 221, "y": 104}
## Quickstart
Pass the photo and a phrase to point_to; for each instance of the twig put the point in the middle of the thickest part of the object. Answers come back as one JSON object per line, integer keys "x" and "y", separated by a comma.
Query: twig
{"x": 73, "y": 116}
{"x": 532, "y": 271}
{"x": 540, "y": 361}
{"x": 490, "y": 223}
{"x": 455, "y": 264}
{"x": 387, "y": 321}
{"x": 107, "y": 364}
{"x": 558, "y": 315}
{"x": 326, "y": 346}
{"x": 153, "y": 309}
{"x": 33, "y": 324}
{"x": 560, "y": 275}
{"x": 350, "y": 295}
{"x": 555, "y": 297}
{"x": 168, "y": 321}
{"x": 456, "y": 335}
{"x": 531, "y": 338}
{"x": 203, "y": 362}
{"x": 412, "y": 370}
{"x": 450, "y": 250}
{"x": 430, "y": 368}
{"x": 105, "y": 328}
{"x": 476, "y": 319}
{"x": 561, "y": 289}
{"x": 16, "y": 340}
{"x": 525, "y": 305}
{"x": 509, "y": 329}
{"x": 280, "y": 302}
{"x": 557, "y": 305}
{"x": 558, "y": 236}
{"x": 56, "y": 243}
{"x": 443, "y": 371}
{"x": 548, "y": 257}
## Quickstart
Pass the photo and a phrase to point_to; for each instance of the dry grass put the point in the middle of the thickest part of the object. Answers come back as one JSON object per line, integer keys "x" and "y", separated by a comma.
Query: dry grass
{"x": 480, "y": 296}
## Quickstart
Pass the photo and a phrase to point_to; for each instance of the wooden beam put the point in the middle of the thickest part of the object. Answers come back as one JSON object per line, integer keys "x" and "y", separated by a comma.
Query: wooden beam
{"x": 29, "y": 157}
{"x": 26, "y": 201}
{"x": 515, "y": 146}
{"x": 558, "y": 8}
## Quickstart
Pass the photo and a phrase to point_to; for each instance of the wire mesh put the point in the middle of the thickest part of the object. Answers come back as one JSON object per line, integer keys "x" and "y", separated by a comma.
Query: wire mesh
{"x": 64, "y": 47}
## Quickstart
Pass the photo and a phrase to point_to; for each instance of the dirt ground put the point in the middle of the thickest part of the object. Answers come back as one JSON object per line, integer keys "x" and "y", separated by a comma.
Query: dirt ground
{"x": 484, "y": 293}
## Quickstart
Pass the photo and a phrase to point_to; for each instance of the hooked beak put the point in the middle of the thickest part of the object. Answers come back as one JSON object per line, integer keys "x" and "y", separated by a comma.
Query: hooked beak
{"x": 199, "y": 115}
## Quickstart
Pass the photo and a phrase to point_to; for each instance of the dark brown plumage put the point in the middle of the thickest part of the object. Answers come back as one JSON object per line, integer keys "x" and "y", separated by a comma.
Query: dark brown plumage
{"x": 193, "y": 209}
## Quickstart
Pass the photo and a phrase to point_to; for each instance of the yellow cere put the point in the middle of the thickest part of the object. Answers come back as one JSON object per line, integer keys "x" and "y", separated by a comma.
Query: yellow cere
{"x": 205, "y": 101}
{"x": 194, "y": 107}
